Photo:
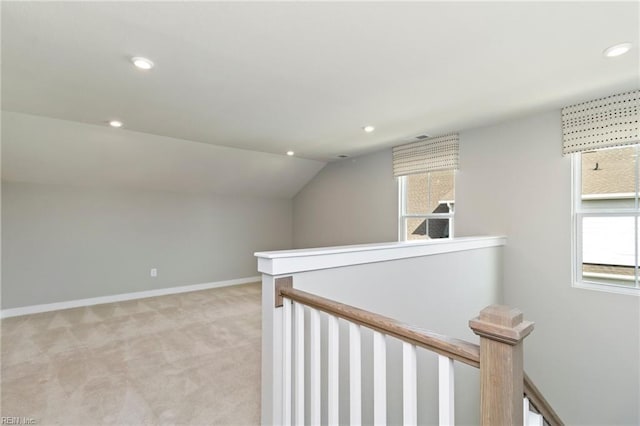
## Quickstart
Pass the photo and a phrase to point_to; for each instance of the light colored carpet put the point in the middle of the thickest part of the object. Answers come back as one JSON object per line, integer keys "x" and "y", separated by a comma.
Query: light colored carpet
{"x": 191, "y": 359}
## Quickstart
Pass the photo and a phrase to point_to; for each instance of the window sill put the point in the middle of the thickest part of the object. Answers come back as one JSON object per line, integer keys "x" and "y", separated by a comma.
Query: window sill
{"x": 607, "y": 288}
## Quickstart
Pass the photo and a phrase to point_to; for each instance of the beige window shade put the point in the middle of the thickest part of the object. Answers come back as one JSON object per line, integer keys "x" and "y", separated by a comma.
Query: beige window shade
{"x": 601, "y": 123}
{"x": 437, "y": 153}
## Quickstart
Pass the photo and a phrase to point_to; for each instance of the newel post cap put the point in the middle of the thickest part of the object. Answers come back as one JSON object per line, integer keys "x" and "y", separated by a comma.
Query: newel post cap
{"x": 501, "y": 323}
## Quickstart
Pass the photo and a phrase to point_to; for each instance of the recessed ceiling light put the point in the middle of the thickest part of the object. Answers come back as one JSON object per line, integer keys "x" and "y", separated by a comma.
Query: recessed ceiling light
{"x": 290, "y": 153}
{"x": 616, "y": 50}
{"x": 368, "y": 129}
{"x": 142, "y": 63}
{"x": 115, "y": 123}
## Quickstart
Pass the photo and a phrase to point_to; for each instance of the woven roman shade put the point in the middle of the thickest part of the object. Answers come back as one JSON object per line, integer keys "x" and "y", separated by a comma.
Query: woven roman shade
{"x": 428, "y": 155}
{"x": 601, "y": 123}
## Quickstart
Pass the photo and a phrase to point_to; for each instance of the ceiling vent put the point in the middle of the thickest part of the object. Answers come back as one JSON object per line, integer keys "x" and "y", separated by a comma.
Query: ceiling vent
{"x": 415, "y": 138}
{"x": 419, "y": 137}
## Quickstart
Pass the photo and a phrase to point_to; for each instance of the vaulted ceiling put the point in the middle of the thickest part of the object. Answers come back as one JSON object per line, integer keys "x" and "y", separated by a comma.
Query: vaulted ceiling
{"x": 51, "y": 151}
{"x": 307, "y": 76}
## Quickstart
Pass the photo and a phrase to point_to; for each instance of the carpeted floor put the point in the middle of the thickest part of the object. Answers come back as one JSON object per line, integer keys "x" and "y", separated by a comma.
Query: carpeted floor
{"x": 191, "y": 359}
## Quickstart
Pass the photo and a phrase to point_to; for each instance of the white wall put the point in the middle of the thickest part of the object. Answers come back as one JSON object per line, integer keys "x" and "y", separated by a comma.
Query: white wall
{"x": 585, "y": 351}
{"x": 62, "y": 243}
{"x": 87, "y": 210}
{"x": 352, "y": 201}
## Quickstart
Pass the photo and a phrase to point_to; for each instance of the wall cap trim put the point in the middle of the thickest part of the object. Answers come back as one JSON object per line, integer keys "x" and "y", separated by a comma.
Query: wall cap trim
{"x": 292, "y": 261}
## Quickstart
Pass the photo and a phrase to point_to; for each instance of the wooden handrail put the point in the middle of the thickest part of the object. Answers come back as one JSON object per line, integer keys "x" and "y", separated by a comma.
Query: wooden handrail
{"x": 460, "y": 350}
{"x": 540, "y": 404}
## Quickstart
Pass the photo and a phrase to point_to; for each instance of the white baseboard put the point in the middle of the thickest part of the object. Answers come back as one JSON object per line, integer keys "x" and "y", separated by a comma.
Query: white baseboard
{"x": 34, "y": 309}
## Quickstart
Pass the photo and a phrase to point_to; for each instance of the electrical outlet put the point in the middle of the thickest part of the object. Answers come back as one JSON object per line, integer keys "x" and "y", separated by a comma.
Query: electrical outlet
{"x": 154, "y": 272}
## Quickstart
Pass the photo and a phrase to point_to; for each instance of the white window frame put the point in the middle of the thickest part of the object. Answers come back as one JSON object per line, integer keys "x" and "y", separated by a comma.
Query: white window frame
{"x": 402, "y": 212}
{"x": 577, "y": 214}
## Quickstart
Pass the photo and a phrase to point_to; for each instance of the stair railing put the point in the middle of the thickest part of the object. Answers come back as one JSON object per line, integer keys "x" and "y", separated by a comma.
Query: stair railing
{"x": 499, "y": 358}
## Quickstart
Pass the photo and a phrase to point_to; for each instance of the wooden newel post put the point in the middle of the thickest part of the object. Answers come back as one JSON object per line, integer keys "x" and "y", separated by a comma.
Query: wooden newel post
{"x": 501, "y": 330}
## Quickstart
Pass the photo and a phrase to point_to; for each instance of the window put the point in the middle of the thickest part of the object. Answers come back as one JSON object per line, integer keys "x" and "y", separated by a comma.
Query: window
{"x": 427, "y": 205}
{"x": 606, "y": 219}
{"x": 426, "y": 174}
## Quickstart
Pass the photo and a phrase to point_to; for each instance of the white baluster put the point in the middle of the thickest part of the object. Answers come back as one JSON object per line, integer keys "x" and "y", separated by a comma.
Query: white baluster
{"x": 446, "y": 391}
{"x": 333, "y": 370}
{"x": 530, "y": 417}
{"x": 355, "y": 375}
{"x": 298, "y": 377}
{"x": 409, "y": 385}
{"x": 379, "y": 379}
{"x": 314, "y": 365}
{"x": 286, "y": 361}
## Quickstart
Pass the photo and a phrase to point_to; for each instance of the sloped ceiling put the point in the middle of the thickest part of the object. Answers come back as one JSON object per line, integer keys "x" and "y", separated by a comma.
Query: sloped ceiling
{"x": 46, "y": 150}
